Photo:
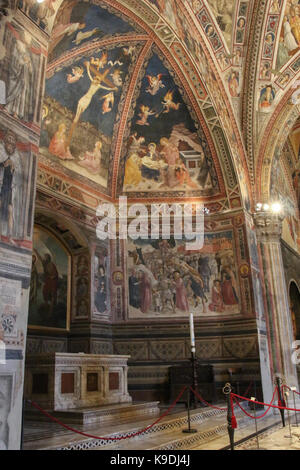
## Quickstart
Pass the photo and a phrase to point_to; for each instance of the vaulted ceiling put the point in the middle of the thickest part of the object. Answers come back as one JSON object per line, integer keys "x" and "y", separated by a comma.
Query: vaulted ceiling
{"x": 217, "y": 79}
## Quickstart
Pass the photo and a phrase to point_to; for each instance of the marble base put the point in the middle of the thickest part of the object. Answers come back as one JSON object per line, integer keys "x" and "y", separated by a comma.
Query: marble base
{"x": 64, "y": 381}
{"x": 104, "y": 415}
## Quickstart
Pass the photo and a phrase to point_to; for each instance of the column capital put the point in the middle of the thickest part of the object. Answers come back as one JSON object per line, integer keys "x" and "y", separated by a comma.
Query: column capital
{"x": 268, "y": 226}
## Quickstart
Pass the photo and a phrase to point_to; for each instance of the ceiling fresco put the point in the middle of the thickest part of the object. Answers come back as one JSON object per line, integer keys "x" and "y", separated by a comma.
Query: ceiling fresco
{"x": 244, "y": 54}
{"x": 98, "y": 77}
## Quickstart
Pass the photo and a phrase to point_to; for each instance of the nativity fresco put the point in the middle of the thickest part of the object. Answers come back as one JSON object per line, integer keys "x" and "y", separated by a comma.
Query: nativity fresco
{"x": 80, "y": 109}
{"x": 165, "y": 152}
{"x": 164, "y": 279}
{"x": 49, "y": 300}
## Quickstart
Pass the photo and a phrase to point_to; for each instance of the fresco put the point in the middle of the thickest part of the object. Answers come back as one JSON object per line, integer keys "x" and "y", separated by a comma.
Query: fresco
{"x": 223, "y": 11}
{"x": 16, "y": 197}
{"x": 81, "y": 107}
{"x": 101, "y": 288}
{"x": 79, "y": 22}
{"x": 41, "y": 13}
{"x": 289, "y": 41}
{"x": 164, "y": 151}
{"x": 50, "y": 282}
{"x": 169, "y": 9}
{"x": 20, "y": 70}
{"x": 285, "y": 189}
{"x": 166, "y": 280}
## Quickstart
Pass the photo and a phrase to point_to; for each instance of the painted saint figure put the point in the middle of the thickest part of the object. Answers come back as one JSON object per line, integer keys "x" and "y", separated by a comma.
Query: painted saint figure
{"x": 181, "y": 295}
{"x": 50, "y": 287}
{"x": 229, "y": 286}
{"x": 21, "y": 82}
{"x": 146, "y": 293}
{"x": 11, "y": 181}
{"x": 217, "y": 304}
{"x": 92, "y": 160}
{"x": 58, "y": 146}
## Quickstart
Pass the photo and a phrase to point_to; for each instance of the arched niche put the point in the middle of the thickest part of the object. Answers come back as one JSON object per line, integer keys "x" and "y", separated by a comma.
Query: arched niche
{"x": 294, "y": 299}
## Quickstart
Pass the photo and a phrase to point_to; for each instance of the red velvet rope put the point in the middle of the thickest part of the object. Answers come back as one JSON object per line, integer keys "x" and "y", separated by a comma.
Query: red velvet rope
{"x": 289, "y": 388}
{"x": 248, "y": 389}
{"x": 204, "y": 401}
{"x": 256, "y": 417}
{"x": 233, "y": 418}
{"x": 265, "y": 404}
{"x": 108, "y": 438}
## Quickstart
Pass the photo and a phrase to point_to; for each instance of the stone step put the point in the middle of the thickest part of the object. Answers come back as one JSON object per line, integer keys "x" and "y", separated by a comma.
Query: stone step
{"x": 104, "y": 415}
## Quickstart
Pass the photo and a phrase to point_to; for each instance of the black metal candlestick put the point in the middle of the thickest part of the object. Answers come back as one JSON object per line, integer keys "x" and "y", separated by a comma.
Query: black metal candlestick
{"x": 194, "y": 399}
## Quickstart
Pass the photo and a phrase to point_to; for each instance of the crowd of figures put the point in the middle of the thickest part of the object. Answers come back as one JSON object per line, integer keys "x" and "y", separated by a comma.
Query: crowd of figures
{"x": 165, "y": 279}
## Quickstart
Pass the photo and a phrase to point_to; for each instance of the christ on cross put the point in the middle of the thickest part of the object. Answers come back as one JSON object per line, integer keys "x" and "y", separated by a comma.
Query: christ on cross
{"x": 96, "y": 84}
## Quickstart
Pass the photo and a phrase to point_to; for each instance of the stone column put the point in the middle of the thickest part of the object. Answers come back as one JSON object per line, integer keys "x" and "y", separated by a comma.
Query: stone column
{"x": 268, "y": 231}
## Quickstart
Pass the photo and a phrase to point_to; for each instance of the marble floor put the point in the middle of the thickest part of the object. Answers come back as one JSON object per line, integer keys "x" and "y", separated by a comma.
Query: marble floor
{"x": 211, "y": 427}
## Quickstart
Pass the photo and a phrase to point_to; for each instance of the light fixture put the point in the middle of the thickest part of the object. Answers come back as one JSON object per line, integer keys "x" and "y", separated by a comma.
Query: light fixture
{"x": 40, "y": 1}
{"x": 259, "y": 206}
{"x": 276, "y": 207}
{"x": 266, "y": 207}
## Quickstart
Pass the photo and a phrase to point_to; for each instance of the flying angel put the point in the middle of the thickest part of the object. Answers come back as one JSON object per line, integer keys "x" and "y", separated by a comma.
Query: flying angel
{"x": 128, "y": 51}
{"x": 144, "y": 115}
{"x": 108, "y": 102}
{"x": 155, "y": 83}
{"x": 99, "y": 62}
{"x": 77, "y": 73}
{"x": 168, "y": 102}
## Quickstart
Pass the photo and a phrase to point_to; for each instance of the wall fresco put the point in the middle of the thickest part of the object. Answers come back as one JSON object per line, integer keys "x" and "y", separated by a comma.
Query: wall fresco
{"x": 166, "y": 280}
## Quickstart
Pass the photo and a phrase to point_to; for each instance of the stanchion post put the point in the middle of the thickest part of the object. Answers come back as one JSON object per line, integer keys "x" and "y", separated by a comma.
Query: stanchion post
{"x": 227, "y": 391}
{"x": 256, "y": 428}
{"x": 22, "y": 428}
{"x": 189, "y": 430}
{"x": 194, "y": 379}
{"x": 279, "y": 382}
{"x": 294, "y": 390}
{"x": 193, "y": 362}
{"x": 288, "y": 411}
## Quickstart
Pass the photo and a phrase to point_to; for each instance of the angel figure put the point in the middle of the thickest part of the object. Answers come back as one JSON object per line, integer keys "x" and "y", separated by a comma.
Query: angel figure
{"x": 155, "y": 83}
{"x": 168, "y": 103}
{"x": 62, "y": 30}
{"x": 128, "y": 51}
{"x": 116, "y": 77}
{"x": 144, "y": 115}
{"x": 108, "y": 102}
{"x": 86, "y": 35}
{"x": 77, "y": 73}
{"x": 99, "y": 62}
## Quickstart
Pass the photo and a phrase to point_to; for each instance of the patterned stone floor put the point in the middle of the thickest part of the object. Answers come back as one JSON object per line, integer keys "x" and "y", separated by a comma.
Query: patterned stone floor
{"x": 282, "y": 439}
